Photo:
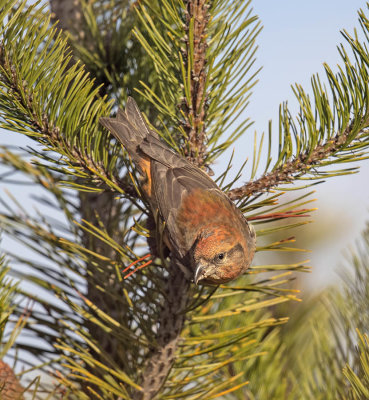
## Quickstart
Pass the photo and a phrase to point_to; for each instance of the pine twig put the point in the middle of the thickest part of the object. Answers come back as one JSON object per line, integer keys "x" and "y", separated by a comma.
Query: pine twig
{"x": 51, "y": 135}
{"x": 197, "y": 18}
{"x": 171, "y": 320}
{"x": 291, "y": 170}
{"x": 10, "y": 388}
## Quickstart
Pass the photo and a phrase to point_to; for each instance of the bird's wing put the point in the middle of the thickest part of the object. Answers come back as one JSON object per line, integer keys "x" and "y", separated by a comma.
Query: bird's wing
{"x": 173, "y": 176}
{"x": 173, "y": 179}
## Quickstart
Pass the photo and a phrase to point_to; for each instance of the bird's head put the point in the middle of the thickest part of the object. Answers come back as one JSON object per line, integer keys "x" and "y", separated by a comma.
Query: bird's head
{"x": 222, "y": 253}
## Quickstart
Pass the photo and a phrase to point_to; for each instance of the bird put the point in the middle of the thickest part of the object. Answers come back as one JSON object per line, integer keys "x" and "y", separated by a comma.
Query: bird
{"x": 203, "y": 228}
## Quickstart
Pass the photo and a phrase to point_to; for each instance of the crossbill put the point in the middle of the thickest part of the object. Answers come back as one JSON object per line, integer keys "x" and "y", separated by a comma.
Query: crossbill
{"x": 204, "y": 230}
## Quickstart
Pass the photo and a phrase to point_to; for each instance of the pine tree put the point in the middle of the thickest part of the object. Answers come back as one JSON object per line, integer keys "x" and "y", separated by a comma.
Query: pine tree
{"x": 191, "y": 67}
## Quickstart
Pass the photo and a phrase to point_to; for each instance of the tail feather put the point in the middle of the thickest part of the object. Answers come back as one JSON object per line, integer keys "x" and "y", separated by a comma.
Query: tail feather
{"x": 135, "y": 117}
{"x": 129, "y": 126}
{"x": 121, "y": 115}
{"x": 128, "y": 135}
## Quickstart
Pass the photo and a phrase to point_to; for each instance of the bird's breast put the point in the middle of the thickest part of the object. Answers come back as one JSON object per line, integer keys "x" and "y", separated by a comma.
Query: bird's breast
{"x": 199, "y": 209}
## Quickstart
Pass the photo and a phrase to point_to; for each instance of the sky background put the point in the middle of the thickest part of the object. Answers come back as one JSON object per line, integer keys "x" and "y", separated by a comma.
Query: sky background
{"x": 298, "y": 36}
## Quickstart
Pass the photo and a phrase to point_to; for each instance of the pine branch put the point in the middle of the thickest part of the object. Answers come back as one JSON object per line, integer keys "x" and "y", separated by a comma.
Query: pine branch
{"x": 195, "y": 63}
{"x": 323, "y": 351}
{"x": 33, "y": 101}
{"x": 10, "y": 388}
{"x": 171, "y": 321}
{"x": 10, "y": 329}
{"x": 359, "y": 381}
{"x": 331, "y": 128}
{"x": 295, "y": 168}
{"x": 201, "y": 90}
{"x": 49, "y": 133}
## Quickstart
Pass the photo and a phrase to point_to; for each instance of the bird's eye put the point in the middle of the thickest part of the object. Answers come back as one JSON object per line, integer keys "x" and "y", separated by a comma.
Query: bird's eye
{"x": 220, "y": 256}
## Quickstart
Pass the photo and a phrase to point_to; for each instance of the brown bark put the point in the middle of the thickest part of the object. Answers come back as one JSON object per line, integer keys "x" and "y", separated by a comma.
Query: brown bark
{"x": 10, "y": 388}
{"x": 172, "y": 318}
{"x": 69, "y": 15}
{"x": 97, "y": 208}
{"x": 195, "y": 109}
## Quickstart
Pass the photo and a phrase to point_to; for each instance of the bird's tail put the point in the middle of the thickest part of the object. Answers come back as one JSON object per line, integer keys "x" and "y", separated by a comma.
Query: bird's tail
{"x": 130, "y": 128}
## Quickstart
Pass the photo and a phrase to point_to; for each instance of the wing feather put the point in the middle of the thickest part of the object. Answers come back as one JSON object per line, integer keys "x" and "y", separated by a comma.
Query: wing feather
{"x": 171, "y": 186}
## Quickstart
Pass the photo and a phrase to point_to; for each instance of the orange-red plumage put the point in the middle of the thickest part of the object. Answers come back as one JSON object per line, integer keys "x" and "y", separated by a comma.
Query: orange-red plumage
{"x": 204, "y": 229}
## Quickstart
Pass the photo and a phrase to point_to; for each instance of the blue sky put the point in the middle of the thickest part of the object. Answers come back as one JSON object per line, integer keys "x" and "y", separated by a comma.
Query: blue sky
{"x": 298, "y": 36}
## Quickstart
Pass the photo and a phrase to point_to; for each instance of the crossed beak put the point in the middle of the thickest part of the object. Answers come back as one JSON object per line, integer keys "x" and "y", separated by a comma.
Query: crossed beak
{"x": 200, "y": 273}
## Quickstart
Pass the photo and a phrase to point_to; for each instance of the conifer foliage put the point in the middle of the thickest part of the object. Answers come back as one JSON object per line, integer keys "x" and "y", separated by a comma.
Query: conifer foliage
{"x": 190, "y": 64}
